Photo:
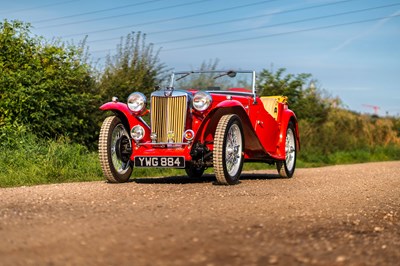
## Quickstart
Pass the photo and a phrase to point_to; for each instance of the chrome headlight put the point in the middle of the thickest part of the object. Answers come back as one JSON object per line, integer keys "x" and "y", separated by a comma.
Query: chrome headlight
{"x": 136, "y": 102}
{"x": 201, "y": 101}
{"x": 137, "y": 132}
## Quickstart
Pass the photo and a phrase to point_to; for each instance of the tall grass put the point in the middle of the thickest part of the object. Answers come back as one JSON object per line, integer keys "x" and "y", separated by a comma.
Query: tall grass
{"x": 346, "y": 131}
{"x": 27, "y": 160}
{"x": 376, "y": 154}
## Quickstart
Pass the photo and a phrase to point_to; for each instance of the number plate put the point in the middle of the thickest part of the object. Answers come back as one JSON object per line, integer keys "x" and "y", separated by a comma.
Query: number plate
{"x": 160, "y": 161}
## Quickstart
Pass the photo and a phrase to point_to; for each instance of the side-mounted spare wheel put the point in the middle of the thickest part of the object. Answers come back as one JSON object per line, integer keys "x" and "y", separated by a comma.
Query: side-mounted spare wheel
{"x": 228, "y": 150}
{"x": 115, "y": 149}
{"x": 286, "y": 168}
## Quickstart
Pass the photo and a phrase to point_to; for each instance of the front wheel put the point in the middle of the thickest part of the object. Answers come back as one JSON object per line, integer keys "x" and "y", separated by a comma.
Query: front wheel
{"x": 228, "y": 150}
{"x": 286, "y": 168}
{"x": 115, "y": 149}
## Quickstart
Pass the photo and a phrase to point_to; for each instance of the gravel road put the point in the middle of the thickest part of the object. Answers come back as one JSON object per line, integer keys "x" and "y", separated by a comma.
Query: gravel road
{"x": 337, "y": 215}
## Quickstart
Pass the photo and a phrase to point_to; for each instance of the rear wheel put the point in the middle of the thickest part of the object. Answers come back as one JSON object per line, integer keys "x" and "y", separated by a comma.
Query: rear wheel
{"x": 286, "y": 168}
{"x": 228, "y": 150}
{"x": 115, "y": 149}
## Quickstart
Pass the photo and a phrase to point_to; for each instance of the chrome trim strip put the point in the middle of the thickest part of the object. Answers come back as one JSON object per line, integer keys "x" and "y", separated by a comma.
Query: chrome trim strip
{"x": 163, "y": 144}
{"x": 175, "y": 93}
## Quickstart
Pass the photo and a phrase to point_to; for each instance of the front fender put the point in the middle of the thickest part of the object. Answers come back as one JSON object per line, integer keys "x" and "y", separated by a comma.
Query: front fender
{"x": 128, "y": 117}
{"x": 117, "y": 107}
{"x": 230, "y": 103}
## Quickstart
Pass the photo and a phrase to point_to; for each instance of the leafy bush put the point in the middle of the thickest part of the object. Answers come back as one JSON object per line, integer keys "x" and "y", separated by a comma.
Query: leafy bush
{"x": 48, "y": 88}
{"x": 134, "y": 67}
{"x": 347, "y": 131}
{"x": 303, "y": 96}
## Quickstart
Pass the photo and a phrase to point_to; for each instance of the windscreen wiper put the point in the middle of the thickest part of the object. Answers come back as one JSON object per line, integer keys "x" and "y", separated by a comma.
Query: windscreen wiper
{"x": 184, "y": 75}
{"x": 230, "y": 73}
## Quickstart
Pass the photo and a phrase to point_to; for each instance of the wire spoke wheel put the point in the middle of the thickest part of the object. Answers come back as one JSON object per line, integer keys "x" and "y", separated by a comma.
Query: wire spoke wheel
{"x": 228, "y": 150}
{"x": 115, "y": 148}
{"x": 232, "y": 150}
{"x": 286, "y": 168}
{"x": 119, "y": 145}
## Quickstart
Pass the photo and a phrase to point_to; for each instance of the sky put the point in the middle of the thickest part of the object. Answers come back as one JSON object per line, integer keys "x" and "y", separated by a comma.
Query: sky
{"x": 351, "y": 47}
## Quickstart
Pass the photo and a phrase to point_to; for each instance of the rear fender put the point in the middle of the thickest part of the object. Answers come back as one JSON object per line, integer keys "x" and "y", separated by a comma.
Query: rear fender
{"x": 287, "y": 117}
{"x": 127, "y": 116}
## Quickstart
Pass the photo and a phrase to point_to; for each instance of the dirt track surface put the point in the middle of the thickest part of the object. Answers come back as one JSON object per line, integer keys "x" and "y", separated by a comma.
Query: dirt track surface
{"x": 339, "y": 215}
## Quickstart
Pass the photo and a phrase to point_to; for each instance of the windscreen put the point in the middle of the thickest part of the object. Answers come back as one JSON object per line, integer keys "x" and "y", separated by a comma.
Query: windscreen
{"x": 214, "y": 81}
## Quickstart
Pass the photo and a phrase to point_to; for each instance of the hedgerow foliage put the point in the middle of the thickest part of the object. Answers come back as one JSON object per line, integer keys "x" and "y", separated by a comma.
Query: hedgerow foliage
{"x": 134, "y": 67}
{"x": 46, "y": 87}
{"x": 325, "y": 127}
{"x": 303, "y": 97}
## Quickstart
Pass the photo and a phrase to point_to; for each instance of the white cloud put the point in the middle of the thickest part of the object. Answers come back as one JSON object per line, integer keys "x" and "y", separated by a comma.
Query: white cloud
{"x": 377, "y": 25}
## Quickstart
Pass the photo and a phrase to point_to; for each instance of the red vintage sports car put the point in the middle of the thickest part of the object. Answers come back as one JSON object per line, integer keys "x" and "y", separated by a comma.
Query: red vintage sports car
{"x": 202, "y": 119}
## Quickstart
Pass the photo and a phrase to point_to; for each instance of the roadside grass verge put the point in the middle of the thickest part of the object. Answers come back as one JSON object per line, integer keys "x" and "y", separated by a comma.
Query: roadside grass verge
{"x": 375, "y": 154}
{"x": 31, "y": 161}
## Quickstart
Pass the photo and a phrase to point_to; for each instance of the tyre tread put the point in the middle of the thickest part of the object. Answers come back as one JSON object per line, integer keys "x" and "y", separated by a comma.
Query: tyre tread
{"x": 104, "y": 154}
{"x": 218, "y": 150}
{"x": 281, "y": 165}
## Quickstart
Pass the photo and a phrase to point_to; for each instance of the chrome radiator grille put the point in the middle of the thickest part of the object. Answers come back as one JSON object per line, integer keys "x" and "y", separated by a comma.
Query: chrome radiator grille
{"x": 168, "y": 114}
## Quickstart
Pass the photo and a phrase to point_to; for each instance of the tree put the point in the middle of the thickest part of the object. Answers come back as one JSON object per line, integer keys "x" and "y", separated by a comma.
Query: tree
{"x": 47, "y": 87}
{"x": 304, "y": 98}
{"x": 135, "y": 67}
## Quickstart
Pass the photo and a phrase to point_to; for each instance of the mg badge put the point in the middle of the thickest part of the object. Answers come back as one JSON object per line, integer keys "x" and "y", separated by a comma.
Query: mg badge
{"x": 168, "y": 91}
